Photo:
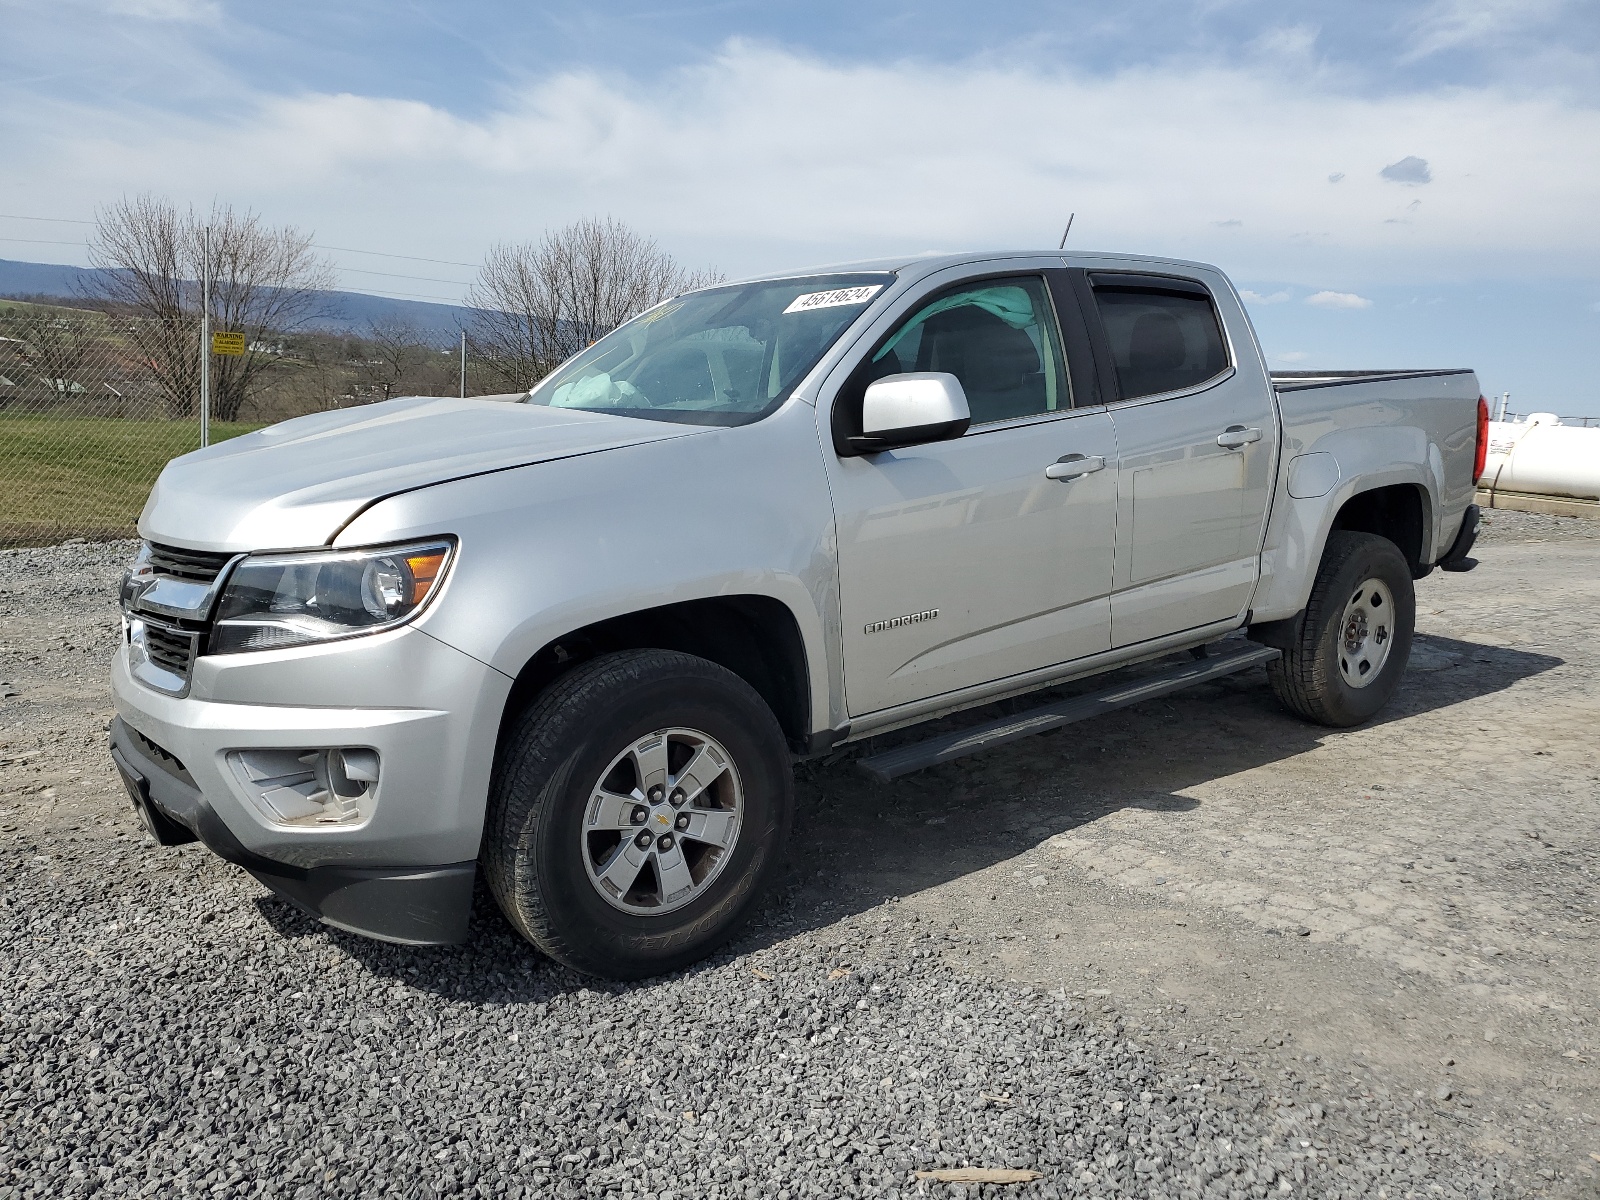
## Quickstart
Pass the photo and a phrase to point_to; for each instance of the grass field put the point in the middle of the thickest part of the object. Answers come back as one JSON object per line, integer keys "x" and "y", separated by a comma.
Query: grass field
{"x": 88, "y": 477}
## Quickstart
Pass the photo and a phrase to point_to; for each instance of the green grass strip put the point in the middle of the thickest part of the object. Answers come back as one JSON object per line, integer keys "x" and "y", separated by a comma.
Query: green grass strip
{"x": 87, "y": 477}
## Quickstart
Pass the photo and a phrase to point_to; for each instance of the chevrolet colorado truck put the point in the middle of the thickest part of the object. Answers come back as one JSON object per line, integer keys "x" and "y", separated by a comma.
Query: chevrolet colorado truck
{"x": 575, "y": 639}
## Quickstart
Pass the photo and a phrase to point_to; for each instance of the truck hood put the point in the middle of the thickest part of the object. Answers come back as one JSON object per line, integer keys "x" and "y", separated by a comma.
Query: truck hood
{"x": 298, "y": 483}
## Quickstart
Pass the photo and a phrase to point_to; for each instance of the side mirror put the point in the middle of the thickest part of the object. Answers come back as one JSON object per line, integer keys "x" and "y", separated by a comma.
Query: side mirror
{"x": 905, "y": 410}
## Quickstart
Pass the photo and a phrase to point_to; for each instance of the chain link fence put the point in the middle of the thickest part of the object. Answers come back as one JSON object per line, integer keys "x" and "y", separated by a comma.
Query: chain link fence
{"x": 93, "y": 405}
{"x": 85, "y": 426}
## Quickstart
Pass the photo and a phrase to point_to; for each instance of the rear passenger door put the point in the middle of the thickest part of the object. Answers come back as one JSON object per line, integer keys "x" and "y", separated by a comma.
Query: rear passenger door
{"x": 1196, "y": 444}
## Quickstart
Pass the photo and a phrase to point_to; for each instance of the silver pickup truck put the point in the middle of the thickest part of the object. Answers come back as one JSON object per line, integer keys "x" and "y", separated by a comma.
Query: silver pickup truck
{"x": 576, "y": 639}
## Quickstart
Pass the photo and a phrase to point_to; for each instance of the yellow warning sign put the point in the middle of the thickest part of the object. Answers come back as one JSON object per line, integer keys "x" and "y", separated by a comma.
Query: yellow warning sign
{"x": 227, "y": 343}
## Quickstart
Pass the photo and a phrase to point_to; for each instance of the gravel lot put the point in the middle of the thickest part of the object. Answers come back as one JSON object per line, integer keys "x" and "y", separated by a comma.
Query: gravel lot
{"x": 1194, "y": 948}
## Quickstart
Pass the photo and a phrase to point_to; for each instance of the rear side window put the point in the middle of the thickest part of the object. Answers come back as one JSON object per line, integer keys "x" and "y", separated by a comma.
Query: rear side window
{"x": 1164, "y": 336}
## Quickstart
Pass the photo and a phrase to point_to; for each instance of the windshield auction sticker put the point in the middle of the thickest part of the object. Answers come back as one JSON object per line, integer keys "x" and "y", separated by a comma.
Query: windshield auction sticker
{"x": 833, "y": 299}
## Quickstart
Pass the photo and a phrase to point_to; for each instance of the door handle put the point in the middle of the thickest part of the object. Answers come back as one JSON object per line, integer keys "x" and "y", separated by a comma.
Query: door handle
{"x": 1236, "y": 436}
{"x": 1074, "y": 466}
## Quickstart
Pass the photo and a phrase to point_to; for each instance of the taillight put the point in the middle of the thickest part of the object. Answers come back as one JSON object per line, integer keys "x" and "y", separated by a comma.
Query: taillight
{"x": 1481, "y": 457}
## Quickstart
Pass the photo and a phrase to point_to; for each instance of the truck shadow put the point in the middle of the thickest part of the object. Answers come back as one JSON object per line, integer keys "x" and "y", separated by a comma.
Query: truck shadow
{"x": 494, "y": 966}
{"x": 858, "y": 843}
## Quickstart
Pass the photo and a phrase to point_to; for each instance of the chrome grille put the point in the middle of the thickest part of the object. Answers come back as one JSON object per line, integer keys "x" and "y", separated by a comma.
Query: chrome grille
{"x": 167, "y": 597}
{"x": 200, "y": 566}
{"x": 170, "y": 649}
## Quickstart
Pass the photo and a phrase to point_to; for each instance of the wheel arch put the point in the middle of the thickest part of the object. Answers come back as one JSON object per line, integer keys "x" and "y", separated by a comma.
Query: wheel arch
{"x": 1396, "y": 503}
{"x": 1400, "y": 512}
{"x": 756, "y": 637}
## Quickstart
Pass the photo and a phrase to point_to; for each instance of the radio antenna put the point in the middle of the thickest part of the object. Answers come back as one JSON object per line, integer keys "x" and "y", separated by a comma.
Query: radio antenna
{"x": 1070, "y": 218}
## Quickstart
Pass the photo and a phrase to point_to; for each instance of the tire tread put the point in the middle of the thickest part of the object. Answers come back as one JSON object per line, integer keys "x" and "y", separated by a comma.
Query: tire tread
{"x": 1303, "y": 679}
{"x": 538, "y": 754}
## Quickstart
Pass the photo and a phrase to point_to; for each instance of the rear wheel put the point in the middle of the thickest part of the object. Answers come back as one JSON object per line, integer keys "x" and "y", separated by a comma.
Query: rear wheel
{"x": 639, "y": 808}
{"x": 1355, "y": 639}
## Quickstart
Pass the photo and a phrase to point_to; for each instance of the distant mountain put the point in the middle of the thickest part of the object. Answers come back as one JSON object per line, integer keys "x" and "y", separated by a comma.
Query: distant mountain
{"x": 356, "y": 312}
{"x": 43, "y": 279}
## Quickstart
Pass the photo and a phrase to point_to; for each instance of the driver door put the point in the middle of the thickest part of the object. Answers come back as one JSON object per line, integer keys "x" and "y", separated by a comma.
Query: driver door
{"x": 961, "y": 562}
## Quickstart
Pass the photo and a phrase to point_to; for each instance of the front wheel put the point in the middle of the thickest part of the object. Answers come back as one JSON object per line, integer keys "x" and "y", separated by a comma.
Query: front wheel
{"x": 1355, "y": 639}
{"x": 639, "y": 808}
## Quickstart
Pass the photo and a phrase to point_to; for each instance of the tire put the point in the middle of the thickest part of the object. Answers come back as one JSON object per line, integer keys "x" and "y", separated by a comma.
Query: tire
{"x": 1364, "y": 583}
{"x": 573, "y": 759}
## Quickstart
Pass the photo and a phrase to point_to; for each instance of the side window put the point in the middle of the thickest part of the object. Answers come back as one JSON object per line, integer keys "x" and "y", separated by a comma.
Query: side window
{"x": 1161, "y": 340}
{"x": 997, "y": 336}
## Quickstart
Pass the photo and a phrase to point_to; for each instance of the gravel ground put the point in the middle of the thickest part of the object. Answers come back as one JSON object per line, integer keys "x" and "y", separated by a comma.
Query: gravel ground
{"x": 1179, "y": 952}
{"x": 1503, "y": 526}
{"x": 181, "y": 1042}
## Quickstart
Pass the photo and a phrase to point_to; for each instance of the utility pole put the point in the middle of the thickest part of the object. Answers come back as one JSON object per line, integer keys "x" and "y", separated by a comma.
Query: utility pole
{"x": 205, "y": 338}
{"x": 463, "y": 364}
{"x": 1505, "y": 403}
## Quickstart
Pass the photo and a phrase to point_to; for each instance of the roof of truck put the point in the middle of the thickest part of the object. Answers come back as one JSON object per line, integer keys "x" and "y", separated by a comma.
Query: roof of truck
{"x": 927, "y": 262}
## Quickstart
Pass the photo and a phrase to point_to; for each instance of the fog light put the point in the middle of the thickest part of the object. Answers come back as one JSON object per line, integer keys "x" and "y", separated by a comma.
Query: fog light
{"x": 309, "y": 787}
{"x": 358, "y": 765}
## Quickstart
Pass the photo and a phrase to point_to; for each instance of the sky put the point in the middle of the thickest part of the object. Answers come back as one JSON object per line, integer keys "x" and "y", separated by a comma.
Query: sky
{"x": 1392, "y": 183}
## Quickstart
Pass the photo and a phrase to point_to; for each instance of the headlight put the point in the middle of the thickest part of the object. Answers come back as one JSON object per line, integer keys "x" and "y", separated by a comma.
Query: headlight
{"x": 277, "y": 600}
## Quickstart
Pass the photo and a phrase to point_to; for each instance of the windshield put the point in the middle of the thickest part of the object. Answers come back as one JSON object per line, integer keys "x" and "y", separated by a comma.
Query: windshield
{"x": 724, "y": 356}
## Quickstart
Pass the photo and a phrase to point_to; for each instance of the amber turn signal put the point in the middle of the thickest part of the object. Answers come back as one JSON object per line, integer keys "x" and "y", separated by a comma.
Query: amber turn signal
{"x": 425, "y": 570}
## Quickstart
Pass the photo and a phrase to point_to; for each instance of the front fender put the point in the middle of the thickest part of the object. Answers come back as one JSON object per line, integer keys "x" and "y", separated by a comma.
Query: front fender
{"x": 551, "y": 548}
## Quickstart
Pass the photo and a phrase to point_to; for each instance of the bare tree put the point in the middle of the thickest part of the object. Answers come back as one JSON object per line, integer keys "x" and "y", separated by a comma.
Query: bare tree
{"x": 266, "y": 282}
{"x": 396, "y": 356}
{"x": 536, "y": 304}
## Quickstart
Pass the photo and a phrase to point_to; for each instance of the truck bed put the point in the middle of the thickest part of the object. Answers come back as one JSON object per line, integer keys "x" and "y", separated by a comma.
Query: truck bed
{"x": 1397, "y": 427}
{"x": 1295, "y": 381}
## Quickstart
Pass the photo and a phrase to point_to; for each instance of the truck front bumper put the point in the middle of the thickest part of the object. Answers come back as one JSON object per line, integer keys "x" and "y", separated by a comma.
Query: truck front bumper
{"x": 415, "y": 905}
{"x": 402, "y": 868}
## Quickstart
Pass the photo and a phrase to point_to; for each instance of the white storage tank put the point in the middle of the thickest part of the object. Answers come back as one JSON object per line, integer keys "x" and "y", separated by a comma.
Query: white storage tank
{"x": 1543, "y": 457}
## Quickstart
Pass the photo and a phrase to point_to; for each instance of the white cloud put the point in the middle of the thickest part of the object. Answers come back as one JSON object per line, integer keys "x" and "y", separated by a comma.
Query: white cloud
{"x": 1291, "y": 356}
{"x": 1338, "y": 300}
{"x": 1297, "y": 42}
{"x": 1250, "y": 297}
{"x": 762, "y": 158}
{"x": 1447, "y": 24}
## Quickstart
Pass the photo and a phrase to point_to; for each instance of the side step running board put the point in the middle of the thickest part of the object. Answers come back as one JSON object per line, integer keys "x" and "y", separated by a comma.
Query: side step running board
{"x": 935, "y": 750}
